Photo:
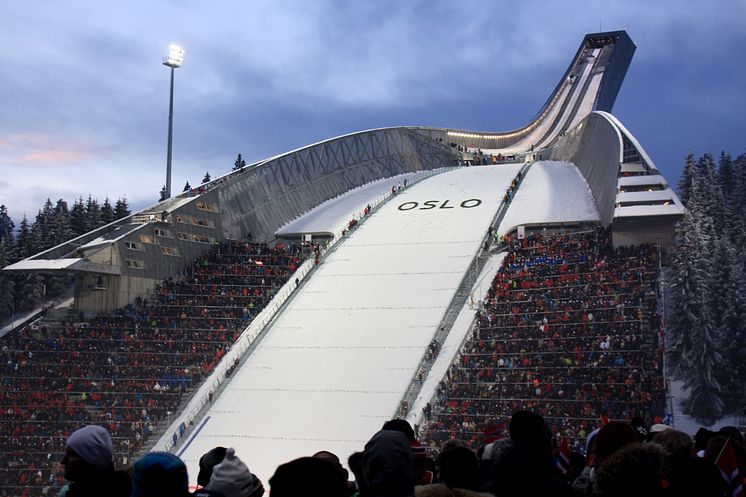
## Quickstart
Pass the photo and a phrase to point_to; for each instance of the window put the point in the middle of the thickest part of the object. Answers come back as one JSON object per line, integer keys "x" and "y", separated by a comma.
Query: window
{"x": 207, "y": 207}
{"x": 134, "y": 264}
{"x": 204, "y": 222}
{"x": 208, "y": 223}
{"x": 162, "y": 232}
{"x": 201, "y": 239}
{"x": 645, "y": 202}
{"x": 133, "y": 246}
{"x": 183, "y": 236}
{"x": 147, "y": 239}
{"x": 172, "y": 251}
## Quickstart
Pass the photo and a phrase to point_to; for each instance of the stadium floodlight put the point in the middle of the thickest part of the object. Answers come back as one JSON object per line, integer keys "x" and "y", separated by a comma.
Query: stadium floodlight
{"x": 174, "y": 60}
{"x": 175, "y": 56}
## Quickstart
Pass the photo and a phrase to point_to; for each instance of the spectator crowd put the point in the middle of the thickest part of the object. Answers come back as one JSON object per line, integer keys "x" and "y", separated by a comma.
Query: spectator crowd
{"x": 130, "y": 370}
{"x": 559, "y": 392}
{"x": 570, "y": 330}
{"x": 623, "y": 459}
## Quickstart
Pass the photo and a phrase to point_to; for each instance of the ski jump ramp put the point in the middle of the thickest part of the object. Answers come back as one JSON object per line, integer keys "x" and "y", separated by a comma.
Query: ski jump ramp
{"x": 335, "y": 364}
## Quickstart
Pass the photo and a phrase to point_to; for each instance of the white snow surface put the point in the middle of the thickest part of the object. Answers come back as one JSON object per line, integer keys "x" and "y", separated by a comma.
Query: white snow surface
{"x": 655, "y": 195}
{"x": 333, "y": 215}
{"x": 687, "y": 424}
{"x": 650, "y": 179}
{"x": 336, "y": 363}
{"x": 29, "y": 264}
{"x": 672, "y": 209}
{"x": 551, "y": 192}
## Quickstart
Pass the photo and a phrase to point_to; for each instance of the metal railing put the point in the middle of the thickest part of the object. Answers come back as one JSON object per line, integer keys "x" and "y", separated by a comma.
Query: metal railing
{"x": 457, "y": 302}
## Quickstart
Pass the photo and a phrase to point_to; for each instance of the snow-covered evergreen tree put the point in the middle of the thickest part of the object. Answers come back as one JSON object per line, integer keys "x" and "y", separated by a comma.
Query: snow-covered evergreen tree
{"x": 696, "y": 344}
{"x": 6, "y": 226}
{"x": 728, "y": 277}
{"x": 686, "y": 291}
{"x": 7, "y": 285}
{"x": 686, "y": 181}
{"x": 738, "y": 203}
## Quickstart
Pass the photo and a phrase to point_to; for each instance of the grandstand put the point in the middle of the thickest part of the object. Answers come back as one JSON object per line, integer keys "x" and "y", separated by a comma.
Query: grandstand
{"x": 295, "y": 304}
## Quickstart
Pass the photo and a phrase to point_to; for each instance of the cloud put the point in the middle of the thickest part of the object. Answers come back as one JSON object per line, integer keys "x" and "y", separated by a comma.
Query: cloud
{"x": 87, "y": 91}
{"x": 39, "y": 150}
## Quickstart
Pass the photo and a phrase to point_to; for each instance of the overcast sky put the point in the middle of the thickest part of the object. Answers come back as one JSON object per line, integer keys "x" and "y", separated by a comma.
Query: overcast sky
{"x": 84, "y": 100}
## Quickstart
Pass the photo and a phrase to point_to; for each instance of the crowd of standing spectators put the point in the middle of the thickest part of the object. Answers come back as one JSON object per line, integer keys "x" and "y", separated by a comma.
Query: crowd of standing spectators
{"x": 624, "y": 459}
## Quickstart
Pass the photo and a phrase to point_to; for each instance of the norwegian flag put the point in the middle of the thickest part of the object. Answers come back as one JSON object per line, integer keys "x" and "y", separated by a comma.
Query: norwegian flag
{"x": 562, "y": 457}
{"x": 726, "y": 462}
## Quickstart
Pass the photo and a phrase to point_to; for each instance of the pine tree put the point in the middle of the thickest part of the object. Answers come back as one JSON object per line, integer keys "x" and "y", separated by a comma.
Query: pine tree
{"x": 107, "y": 212}
{"x": 728, "y": 278}
{"x": 92, "y": 214}
{"x": 696, "y": 346}
{"x": 239, "y": 163}
{"x": 7, "y": 286}
{"x": 686, "y": 181}
{"x": 725, "y": 175}
{"x": 738, "y": 203}
{"x": 42, "y": 230}
{"x": 685, "y": 288}
{"x": 78, "y": 221}
{"x": 711, "y": 195}
{"x": 206, "y": 179}
{"x": 28, "y": 291}
{"x": 24, "y": 243}
{"x": 163, "y": 195}
{"x": 121, "y": 209}
{"x": 187, "y": 187}
{"x": 6, "y": 226}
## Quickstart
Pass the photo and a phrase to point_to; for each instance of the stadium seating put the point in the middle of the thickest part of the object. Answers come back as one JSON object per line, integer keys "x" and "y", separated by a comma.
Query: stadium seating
{"x": 130, "y": 370}
{"x": 569, "y": 330}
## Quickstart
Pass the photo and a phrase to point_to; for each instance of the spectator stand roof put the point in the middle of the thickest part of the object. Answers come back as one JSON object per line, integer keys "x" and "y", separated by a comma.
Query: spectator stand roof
{"x": 553, "y": 192}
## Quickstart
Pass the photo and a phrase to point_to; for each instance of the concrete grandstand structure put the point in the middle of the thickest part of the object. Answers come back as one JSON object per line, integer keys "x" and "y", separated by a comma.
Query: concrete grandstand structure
{"x": 349, "y": 333}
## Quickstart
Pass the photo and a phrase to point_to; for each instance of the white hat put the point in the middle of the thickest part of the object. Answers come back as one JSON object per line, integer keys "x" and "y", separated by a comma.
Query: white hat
{"x": 232, "y": 477}
{"x": 658, "y": 427}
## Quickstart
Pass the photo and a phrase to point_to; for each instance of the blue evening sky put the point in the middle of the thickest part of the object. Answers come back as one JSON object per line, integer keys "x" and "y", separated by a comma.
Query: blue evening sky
{"x": 84, "y": 99}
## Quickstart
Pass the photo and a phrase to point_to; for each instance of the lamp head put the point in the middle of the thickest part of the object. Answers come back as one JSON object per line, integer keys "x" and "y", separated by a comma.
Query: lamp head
{"x": 175, "y": 56}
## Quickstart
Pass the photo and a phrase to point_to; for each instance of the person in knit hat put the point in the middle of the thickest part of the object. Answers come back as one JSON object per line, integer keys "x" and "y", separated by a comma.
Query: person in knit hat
{"x": 160, "y": 474}
{"x": 232, "y": 478}
{"x": 89, "y": 465}
{"x": 207, "y": 462}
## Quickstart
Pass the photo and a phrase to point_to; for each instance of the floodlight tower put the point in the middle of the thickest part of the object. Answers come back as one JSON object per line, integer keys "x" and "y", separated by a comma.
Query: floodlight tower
{"x": 174, "y": 60}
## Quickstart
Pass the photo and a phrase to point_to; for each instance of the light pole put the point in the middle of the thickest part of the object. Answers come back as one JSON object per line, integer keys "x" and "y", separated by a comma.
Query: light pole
{"x": 174, "y": 60}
